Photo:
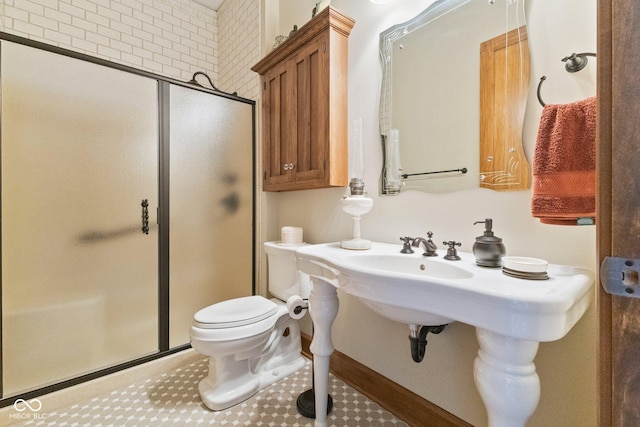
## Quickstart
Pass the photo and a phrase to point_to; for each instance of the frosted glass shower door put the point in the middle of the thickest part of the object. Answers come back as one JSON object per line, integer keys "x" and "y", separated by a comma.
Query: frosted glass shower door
{"x": 79, "y": 277}
{"x": 211, "y": 204}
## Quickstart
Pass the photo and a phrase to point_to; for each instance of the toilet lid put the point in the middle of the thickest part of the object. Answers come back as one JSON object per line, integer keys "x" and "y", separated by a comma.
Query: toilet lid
{"x": 235, "y": 312}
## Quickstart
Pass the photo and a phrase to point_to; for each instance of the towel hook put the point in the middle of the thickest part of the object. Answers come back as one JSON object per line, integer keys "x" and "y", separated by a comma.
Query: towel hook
{"x": 573, "y": 63}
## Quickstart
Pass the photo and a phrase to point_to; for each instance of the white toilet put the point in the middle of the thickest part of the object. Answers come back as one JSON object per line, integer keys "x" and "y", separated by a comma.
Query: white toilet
{"x": 251, "y": 342}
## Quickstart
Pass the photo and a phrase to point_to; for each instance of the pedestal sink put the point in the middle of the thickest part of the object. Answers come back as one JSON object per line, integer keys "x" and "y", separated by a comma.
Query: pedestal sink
{"x": 511, "y": 315}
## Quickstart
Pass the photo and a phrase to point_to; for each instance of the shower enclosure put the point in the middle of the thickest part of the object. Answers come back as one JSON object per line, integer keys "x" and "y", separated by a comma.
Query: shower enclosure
{"x": 127, "y": 205}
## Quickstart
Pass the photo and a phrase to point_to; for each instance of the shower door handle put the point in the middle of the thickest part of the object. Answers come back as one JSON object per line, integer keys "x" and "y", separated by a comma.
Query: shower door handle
{"x": 145, "y": 216}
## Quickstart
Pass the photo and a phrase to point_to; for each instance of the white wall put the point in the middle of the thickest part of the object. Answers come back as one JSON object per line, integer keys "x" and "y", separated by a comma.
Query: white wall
{"x": 567, "y": 367}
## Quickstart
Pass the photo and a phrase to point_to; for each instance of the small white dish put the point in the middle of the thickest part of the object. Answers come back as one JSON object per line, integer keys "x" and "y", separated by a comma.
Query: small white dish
{"x": 525, "y": 264}
{"x": 523, "y": 275}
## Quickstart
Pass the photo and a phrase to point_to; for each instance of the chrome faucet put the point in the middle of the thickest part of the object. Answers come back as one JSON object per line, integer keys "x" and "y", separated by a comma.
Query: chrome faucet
{"x": 430, "y": 248}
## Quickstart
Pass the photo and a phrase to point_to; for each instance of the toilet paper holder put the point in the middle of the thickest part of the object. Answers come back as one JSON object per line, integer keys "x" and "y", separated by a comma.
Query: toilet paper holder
{"x": 296, "y": 306}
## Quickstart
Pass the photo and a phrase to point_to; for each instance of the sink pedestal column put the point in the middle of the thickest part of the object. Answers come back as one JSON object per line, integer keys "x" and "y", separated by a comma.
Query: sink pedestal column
{"x": 506, "y": 378}
{"x": 323, "y": 308}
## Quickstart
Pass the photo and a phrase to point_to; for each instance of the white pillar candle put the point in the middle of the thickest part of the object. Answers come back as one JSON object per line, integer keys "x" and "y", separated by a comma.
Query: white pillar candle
{"x": 357, "y": 150}
{"x": 393, "y": 159}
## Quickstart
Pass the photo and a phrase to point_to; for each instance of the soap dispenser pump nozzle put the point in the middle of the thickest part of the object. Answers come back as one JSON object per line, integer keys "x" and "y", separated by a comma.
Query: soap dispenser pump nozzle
{"x": 488, "y": 225}
{"x": 488, "y": 249}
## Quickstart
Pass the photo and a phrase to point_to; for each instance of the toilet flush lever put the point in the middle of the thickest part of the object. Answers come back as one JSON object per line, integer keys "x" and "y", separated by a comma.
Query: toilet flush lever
{"x": 145, "y": 216}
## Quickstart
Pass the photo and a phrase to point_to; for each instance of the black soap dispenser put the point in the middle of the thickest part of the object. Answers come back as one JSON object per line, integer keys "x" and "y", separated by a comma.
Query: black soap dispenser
{"x": 488, "y": 249}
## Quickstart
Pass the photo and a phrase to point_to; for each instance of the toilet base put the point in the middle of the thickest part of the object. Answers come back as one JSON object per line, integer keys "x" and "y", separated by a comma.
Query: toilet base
{"x": 235, "y": 377}
{"x": 217, "y": 397}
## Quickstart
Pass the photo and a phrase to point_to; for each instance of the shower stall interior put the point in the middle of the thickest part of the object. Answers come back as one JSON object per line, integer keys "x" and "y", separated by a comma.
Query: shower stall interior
{"x": 127, "y": 205}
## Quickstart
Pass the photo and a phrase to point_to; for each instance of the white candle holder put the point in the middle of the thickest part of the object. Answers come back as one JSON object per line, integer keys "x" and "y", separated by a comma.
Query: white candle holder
{"x": 356, "y": 205}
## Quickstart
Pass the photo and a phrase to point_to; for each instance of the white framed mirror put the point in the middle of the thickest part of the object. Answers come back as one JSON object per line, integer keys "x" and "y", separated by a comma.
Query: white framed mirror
{"x": 454, "y": 88}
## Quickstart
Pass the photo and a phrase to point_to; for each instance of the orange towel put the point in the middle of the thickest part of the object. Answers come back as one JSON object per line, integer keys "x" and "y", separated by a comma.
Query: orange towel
{"x": 564, "y": 163}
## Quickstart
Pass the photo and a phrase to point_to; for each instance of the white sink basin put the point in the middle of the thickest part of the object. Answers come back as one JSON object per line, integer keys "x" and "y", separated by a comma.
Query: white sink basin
{"x": 398, "y": 263}
{"x": 411, "y": 288}
{"x": 408, "y": 264}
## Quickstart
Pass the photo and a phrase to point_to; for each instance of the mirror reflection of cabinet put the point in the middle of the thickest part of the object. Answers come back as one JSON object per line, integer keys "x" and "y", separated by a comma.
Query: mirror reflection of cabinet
{"x": 304, "y": 106}
{"x": 504, "y": 82}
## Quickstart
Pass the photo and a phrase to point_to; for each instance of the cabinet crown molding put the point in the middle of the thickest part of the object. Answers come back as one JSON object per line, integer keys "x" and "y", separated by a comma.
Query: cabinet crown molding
{"x": 327, "y": 18}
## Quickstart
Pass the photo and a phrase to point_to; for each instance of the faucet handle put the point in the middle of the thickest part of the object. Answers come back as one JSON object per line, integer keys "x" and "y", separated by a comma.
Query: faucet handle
{"x": 406, "y": 245}
{"x": 429, "y": 234}
{"x": 452, "y": 253}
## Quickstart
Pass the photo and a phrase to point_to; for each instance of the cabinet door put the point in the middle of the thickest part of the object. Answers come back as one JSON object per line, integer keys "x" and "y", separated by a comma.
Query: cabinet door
{"x": 309, "y": 150}
{"x": 295, "y": 125}
{"x": 278, "y": 125}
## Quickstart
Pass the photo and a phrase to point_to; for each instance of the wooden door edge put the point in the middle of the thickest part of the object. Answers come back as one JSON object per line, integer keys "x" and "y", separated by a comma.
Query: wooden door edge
{"x": 604, "y": 205}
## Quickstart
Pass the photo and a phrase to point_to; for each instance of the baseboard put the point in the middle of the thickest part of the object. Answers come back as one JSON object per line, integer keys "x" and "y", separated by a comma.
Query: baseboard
{"x": 403, "y": 403}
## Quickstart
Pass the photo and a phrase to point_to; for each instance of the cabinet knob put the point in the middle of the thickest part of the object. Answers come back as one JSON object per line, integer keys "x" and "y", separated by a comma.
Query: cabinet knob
{"x": 288, "y": 166}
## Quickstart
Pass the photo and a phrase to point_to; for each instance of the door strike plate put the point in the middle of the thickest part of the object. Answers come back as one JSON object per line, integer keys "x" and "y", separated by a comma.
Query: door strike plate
{"x": 621, "y": 276}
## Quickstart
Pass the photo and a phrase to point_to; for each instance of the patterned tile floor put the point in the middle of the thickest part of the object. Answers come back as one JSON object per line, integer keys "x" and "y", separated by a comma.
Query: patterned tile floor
{"x": 171, "y": 399}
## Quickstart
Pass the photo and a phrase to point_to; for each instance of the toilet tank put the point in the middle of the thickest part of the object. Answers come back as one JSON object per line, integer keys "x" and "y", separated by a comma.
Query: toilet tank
{"x": 284, "y": 279}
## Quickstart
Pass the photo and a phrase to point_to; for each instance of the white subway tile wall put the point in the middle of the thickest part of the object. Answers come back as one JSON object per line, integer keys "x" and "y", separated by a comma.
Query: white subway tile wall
{"x": 173, "y": 38}
{"x": 239, "y": 34}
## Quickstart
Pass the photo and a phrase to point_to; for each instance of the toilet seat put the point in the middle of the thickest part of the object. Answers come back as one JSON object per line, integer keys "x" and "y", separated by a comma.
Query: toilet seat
{"x": 235, "y": 312}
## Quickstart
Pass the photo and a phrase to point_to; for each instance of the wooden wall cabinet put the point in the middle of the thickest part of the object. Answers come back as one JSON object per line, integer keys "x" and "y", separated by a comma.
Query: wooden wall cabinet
{"x": 304, "y": 106}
